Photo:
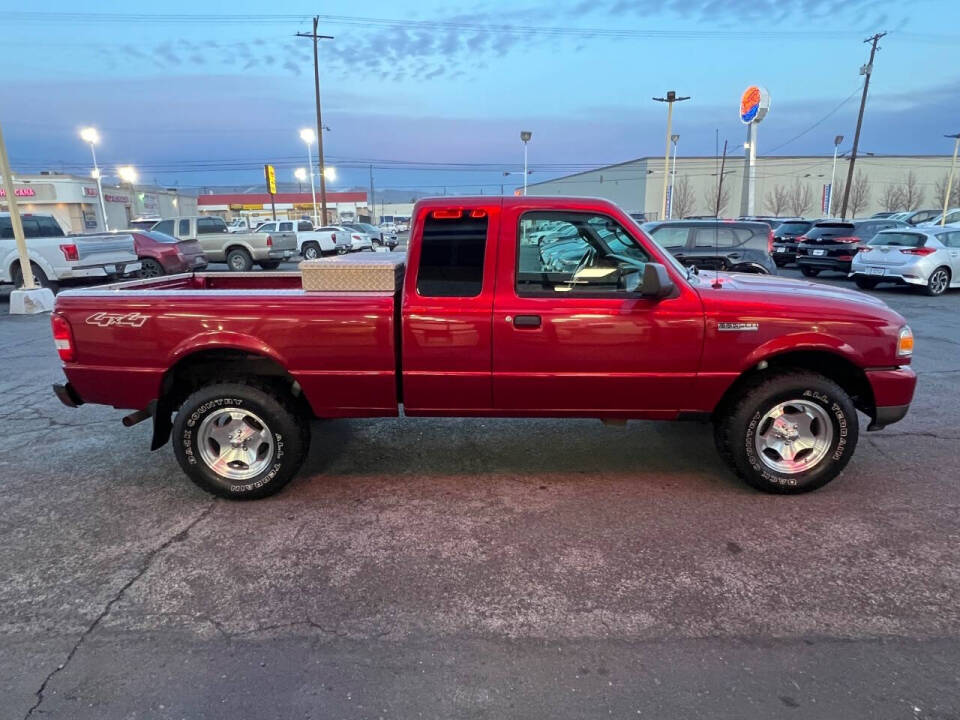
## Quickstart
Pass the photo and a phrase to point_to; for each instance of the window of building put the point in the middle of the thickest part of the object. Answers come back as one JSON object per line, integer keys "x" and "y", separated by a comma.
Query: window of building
{"x": 574, "y": 252}
{"x": 451, "y": 256}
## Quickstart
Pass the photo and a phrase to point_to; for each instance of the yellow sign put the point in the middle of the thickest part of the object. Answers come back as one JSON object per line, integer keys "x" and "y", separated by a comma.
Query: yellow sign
{"x": 271, "y": 179}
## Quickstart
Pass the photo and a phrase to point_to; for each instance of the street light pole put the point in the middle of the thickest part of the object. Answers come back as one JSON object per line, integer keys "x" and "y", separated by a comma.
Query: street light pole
{"x": 953, "y": 168}
{"x": 92, "y": 137}
{"x": 525, "y": 136}
{"x": 307, "y": 136}
{"x": 833, "y": 176}
{"x": 673, "y": 177}
{"x": 670, "y": 99}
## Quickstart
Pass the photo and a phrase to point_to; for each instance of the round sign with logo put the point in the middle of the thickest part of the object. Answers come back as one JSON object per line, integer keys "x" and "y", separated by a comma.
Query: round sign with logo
{"x": 754, "y": 104}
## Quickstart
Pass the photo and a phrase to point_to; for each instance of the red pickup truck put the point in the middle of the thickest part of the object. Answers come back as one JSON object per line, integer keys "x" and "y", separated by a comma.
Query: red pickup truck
{"x": 508, "y": 307}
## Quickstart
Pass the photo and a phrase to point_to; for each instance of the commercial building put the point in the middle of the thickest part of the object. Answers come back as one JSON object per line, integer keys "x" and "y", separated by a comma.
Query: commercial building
{"x": 75, "y": 202}
{"x": 786, "y": 186}
{"x": 289, "y": 205}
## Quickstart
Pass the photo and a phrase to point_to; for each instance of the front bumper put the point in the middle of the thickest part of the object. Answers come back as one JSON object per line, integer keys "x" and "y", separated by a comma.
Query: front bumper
{"x": 892, "y": 394}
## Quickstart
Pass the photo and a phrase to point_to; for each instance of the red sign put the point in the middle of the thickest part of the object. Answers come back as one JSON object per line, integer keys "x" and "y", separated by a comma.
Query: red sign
{"x": 19, "y": 192}
{"x": 116, "y": 198}
{"x": 90, "y": 191}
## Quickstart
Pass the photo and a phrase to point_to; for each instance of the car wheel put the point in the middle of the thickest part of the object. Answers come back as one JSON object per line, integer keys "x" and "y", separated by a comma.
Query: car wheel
{"x": 809, "y": 271}
{"x": 787, "y": 432}
{"x": 39, "y": 277}
{"x": 939, "y": 282}
{"x": 150, "y": 268}
{"x": 269, "y": 264}
{"x": 239, "y": 260}
{"x": 311, "y": 251}
{"x": 866, "y": 283}
{"x": 239, "y": 440}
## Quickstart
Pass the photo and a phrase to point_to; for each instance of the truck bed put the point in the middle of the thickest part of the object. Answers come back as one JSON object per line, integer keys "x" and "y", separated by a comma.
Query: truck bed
{"x": 341, "y": 347}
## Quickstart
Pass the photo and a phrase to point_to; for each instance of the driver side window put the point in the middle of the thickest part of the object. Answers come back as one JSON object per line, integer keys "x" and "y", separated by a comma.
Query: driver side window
{"x": 579, "y": 253}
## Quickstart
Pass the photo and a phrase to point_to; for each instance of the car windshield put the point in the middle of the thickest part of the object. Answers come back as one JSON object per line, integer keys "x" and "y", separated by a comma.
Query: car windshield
{"x": 831, "y": 230}
{"x": 899, "y": 239}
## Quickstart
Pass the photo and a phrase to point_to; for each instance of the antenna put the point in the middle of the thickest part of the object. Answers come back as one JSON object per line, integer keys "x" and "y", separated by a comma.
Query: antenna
{"x": 716, "y": 230}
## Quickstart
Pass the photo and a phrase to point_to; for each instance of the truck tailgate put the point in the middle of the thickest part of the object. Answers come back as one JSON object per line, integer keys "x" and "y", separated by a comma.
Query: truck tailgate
{"x": 339, "y": 347}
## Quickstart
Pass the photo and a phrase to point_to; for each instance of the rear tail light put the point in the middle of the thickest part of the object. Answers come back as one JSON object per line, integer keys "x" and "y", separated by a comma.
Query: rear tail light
{"x": 846, "y": 240}
{"x": 269, "y": 241}
{"x": 478, "y": 213}
{"x": 770, "y": 241}
{"x": 333, "y": 236}
{"x": 356, "y": 237}
{"x": 70, "y": 252}
{"x": 63, "y": 337}
{"x": 922, "y": 251}
{"x": 802, "y": 239}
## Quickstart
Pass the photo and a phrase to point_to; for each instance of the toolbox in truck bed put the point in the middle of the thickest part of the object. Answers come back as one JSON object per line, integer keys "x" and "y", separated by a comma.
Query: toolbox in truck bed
{"x": 381, "y": 272}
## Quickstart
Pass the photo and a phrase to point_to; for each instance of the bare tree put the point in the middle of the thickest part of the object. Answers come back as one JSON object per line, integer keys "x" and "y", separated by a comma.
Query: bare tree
{"x": 892, "y": 200}
{"x": 801, "y": 198}
{"x": 777, "y": 200}
{"x": 711, "y": 200}
{"x": 683, "y": 200}
{"x": 912, "y": 192}
{"x": 940, "y": 190}
{"x": 859, "y": 194}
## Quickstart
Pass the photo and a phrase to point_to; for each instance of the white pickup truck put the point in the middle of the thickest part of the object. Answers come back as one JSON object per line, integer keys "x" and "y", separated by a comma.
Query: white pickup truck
{"x": 238, "y": 250}
{"x": 56, "y": 257}
{"x": 311, "y": 243}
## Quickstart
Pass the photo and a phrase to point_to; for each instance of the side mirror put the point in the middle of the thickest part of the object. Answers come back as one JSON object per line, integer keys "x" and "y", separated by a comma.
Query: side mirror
{"x": 655, "y": 282}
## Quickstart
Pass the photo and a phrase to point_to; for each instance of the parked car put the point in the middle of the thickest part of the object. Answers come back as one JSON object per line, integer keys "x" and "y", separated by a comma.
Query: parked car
{"x": 772, "y": 222}
{"x": 376, "y": 235}
{"x": 882, "y": 215}
{"x": 953, "y": 216}
{"x": 143, "y": 223}
{"x": 467, "y": 325}
{"x": 162, "y": 254}
{"x": 56, "y": 257}
{"x": 238, "y": 250}
{"x": 922, "y": 257}
{"x": 311, "y": 243}
{"x": 354, "y": 241}
{"x": 916, "y": 217}
{"x": 832, "y": 244}
{"x": 240, "y": 224}
{"x": 785, "y": 238}
{"x": 717, "y": 244}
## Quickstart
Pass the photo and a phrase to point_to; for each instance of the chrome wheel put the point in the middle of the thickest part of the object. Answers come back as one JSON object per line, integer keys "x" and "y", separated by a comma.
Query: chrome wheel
{"x": 311, "y": 252}
{"x": 794, "y": 436}
{"x": 235, "y": 444}
{"x": 938, "y": 282}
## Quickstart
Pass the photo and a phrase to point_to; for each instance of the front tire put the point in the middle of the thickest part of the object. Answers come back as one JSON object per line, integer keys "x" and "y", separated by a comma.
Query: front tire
{"x": 809, "y": 271}
{"x": 240, "y": 441}
{"x": 938, "y": 283}
{"x": 239, "y": 260}
{"x": 787, "y": 432}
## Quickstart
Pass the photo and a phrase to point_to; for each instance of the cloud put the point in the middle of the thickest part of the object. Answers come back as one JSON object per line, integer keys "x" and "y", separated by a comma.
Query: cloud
{"x": 164, "y": 51}
{"x": 291, "y": 66}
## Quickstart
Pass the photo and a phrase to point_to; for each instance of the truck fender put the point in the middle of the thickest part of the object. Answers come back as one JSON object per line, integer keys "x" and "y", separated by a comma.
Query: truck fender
{"x": 807, "y": 341}
{"x": 13, "y": 258}
{"x": 222, "y": 340}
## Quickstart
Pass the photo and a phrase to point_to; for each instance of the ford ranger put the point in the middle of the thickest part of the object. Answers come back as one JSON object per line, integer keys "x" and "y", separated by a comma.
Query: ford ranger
{"x": 507, "y": 307}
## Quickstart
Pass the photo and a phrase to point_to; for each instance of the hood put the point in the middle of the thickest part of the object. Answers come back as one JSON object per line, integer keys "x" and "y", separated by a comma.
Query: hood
{"x": 788, "y": 291}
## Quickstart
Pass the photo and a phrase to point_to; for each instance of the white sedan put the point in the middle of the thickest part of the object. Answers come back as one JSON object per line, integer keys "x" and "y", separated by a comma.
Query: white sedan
{"x": 349, "y": 240}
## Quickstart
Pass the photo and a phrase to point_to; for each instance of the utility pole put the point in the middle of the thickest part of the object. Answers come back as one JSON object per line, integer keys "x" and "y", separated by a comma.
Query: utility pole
{"x": 316, "y": 91}
{"x": 372, "y": 202}
{"x": 866, "y": 70}
{"x": 723, "y": 166}
{"x": 670, "y": 99}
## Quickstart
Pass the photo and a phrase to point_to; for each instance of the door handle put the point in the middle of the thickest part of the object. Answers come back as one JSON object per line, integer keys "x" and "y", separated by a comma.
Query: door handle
{"x": 527, "y": 322}
{"x": 735, "y": 256}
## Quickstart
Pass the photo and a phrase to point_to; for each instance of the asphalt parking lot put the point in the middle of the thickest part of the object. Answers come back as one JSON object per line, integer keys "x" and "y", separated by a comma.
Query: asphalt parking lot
{"x": 445, "y": 568}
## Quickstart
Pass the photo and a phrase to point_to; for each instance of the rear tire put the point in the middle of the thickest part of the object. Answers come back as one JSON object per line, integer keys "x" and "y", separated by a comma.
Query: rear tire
{"x": 787, "y": 432}
{"x": 239, "y": 260}
{"x": 311, "y": 251}
{"x": 938, "y": 283}
{"x": 809, "y": 271}
{"x": 39, "y": 277}
{"x": 150, "y": 268}
{"x": 268, "y": 439}
{"x": 866, "y": 283}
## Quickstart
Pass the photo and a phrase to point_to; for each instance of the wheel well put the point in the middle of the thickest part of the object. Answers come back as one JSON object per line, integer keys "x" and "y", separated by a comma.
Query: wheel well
{"x": 836, "y": 367}
{"x": 231, "y": 248}
{"x": 221, "y": 365}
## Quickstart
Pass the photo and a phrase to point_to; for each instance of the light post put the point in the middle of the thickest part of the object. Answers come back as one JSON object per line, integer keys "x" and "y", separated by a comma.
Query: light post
{"x": 525, "y": 136}
{"x": 300, "y": 174}
{"x": 833, "y": 176}
{"x": 953, "y": 168}
{"x": 90, "y": 136}
{"x": 670, "y": 99}
{"x": 673, "y": 177}
{"x": 308, "y": 136}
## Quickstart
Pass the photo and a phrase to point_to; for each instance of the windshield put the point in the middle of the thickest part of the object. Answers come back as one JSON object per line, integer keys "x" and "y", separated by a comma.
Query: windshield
{"x": 899, "y": 239}
{"x": 831, "y": 230}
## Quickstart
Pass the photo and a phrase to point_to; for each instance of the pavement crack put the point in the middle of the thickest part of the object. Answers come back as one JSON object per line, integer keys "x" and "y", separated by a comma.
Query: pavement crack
{"x": 179, "y": 536}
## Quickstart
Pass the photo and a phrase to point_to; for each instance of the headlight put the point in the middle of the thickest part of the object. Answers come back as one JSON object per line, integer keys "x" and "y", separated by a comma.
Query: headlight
{"x": 905, "y": 342}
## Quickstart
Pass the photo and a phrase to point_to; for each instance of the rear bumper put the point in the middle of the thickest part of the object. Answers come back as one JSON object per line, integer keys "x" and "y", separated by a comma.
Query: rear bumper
{"x": 887, "y": 277}
{"x": 892, "y": 394}
{"x": 824, "y": 263}
{"x": 67, "y": 394}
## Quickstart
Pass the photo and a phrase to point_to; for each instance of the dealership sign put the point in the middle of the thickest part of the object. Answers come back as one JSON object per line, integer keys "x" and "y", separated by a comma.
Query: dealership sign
{"x": 19, "y": 192}
{"x": 754, "y": 104}
{"x": 116, "y": 198}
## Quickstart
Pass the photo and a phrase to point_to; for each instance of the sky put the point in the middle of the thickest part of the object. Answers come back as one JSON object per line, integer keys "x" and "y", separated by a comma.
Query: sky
{"x": 432, "y": 95}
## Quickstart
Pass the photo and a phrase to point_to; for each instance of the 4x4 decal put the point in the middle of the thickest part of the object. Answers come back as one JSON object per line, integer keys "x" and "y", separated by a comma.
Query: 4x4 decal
{"x": 104, "y": 319}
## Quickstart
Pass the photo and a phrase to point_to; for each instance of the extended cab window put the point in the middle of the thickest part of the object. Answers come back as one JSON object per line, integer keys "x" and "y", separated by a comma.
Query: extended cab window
{"x": 304, "y": 226}
{"x": 574, "y": 252}
{"x": 184, "y": 228}
{"x": 451, "y": 256}
{"x": 206, "y": 226}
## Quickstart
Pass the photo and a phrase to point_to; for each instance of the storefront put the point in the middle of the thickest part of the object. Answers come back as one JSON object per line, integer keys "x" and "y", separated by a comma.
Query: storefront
{"x": 75, "y": 202}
